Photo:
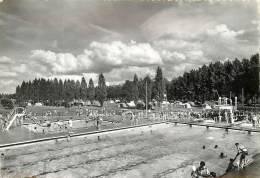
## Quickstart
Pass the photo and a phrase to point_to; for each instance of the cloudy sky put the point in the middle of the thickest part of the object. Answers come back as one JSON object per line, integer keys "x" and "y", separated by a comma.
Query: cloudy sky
{"x": 75, "y": 38}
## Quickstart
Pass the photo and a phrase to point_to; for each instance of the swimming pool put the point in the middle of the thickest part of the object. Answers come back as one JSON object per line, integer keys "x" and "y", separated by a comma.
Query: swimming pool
{"x": 164, "y": 150}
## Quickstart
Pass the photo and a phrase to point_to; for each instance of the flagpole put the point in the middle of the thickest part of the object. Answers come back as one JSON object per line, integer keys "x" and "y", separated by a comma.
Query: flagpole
{"x": 146, "y": 106}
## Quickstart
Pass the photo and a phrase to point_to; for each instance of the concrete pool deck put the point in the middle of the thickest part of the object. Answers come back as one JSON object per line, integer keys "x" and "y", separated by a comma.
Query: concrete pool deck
{"x": 164, "y": 150}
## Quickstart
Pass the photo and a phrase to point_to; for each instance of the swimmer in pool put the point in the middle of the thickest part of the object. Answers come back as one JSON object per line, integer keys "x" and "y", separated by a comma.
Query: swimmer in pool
{"x": 201, "y": 171}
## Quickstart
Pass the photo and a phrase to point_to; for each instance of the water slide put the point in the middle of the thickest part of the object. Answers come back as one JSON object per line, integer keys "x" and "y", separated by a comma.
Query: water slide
{"x": 14, "y": 114}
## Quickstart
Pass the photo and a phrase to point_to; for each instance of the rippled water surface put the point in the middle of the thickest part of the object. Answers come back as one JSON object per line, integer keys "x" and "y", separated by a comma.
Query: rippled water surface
{"x": 162, "y": 151}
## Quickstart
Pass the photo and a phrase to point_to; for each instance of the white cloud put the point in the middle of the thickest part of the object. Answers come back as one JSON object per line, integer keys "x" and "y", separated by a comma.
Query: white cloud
{"x": 183, "y": 23}
{"x": 224, "y": 32}
{"x": 196, "y": 56}
{"x": 173, "y": 57}
{"x": 8, "y": 85}
{"x": 22, "y": 68}
{"x": 6, "y": 74}
{"x": 204, "y": 33}
{"x": 117, "y": 60}
{"x": 59, "y": 62}
{"x": 5, "y": 60}
{"x": 172, "y": 43}
{"x": 99, "y": 57}
{"x": 119, "y": 54}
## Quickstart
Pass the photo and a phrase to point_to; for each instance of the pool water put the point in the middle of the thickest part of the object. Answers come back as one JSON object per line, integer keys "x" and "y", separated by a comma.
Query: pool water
{"x": 164, "y": 150}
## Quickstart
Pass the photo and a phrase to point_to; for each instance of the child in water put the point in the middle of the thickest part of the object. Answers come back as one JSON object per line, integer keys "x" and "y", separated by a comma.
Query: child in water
{"x": 202, "y": 171}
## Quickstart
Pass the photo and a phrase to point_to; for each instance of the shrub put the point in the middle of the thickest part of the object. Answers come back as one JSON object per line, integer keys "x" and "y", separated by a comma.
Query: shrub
{"x": 7, "y": 103}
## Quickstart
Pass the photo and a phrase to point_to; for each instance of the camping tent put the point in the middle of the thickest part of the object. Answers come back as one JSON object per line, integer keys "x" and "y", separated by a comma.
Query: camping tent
{"x": 38, "y": 104}
{"x": 187, "y": 105}
{"x": 206, "y": 106}
{"x": 131, "y": 104}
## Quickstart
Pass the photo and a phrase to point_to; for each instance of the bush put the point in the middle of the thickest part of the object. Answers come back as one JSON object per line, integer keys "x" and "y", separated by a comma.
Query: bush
{"x": 7, "y": 103}
{"x": 140, "y": 105}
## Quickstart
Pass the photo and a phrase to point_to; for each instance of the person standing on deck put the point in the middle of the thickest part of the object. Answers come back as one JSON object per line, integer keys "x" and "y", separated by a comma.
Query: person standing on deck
{"x": 98, "y": 120}
{"x": 219, "y": 117}
{"x": 226, "y": 116}
{"x": 70, "y": 125}
{"x": 241, "y": 149}
{"x": 231, "y": 117}
{"x": 254, "y": 120}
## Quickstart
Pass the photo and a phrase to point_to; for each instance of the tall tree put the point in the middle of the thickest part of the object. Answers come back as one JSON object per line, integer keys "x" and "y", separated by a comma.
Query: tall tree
{"x": 18, "y": 93}
{"x": 147, "y": 81}
{"x": 83, "y": 89}
{"x": 254, "y": 75}
{"x": 159, "y": 85}
{"x": 68, "y": 90}
{"x": 114, "y": 92}
{"x": 101, "y": 90}
{"x": 77, "y": 89}
{"x": 135, "y": 89}
{"x": 91, "y": 91}
{"x": 55, "y": 90}
{"x": 61, "y": 90}
{"x": 23, "y": 91}
{"x": 127, "y": 91}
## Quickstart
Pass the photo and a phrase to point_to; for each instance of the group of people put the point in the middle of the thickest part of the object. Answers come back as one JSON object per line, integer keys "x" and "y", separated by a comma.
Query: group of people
{"x": 227, "y": 116}
{"x": 202, "y": 170}
{"x": 231, "y": 116}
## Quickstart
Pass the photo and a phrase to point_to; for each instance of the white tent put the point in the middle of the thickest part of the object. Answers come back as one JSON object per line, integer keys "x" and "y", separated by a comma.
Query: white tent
{"x": 165, "y": 102}
{"x": 178, "y": 103}
{"x": 187, "y": 105}
{"x": 206, "y": 106}
{"x": 122, "y": 105}
{"x": 117, "y": 101}
{"x": 38, "y": 104}
{"x": 131, "y": 104}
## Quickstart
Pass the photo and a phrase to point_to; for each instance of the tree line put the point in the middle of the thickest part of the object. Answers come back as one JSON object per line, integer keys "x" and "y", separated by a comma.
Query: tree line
{"x": 218, "y": 79}
{"x": 54, "y": 91}
{"x": 205, "y": 83}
